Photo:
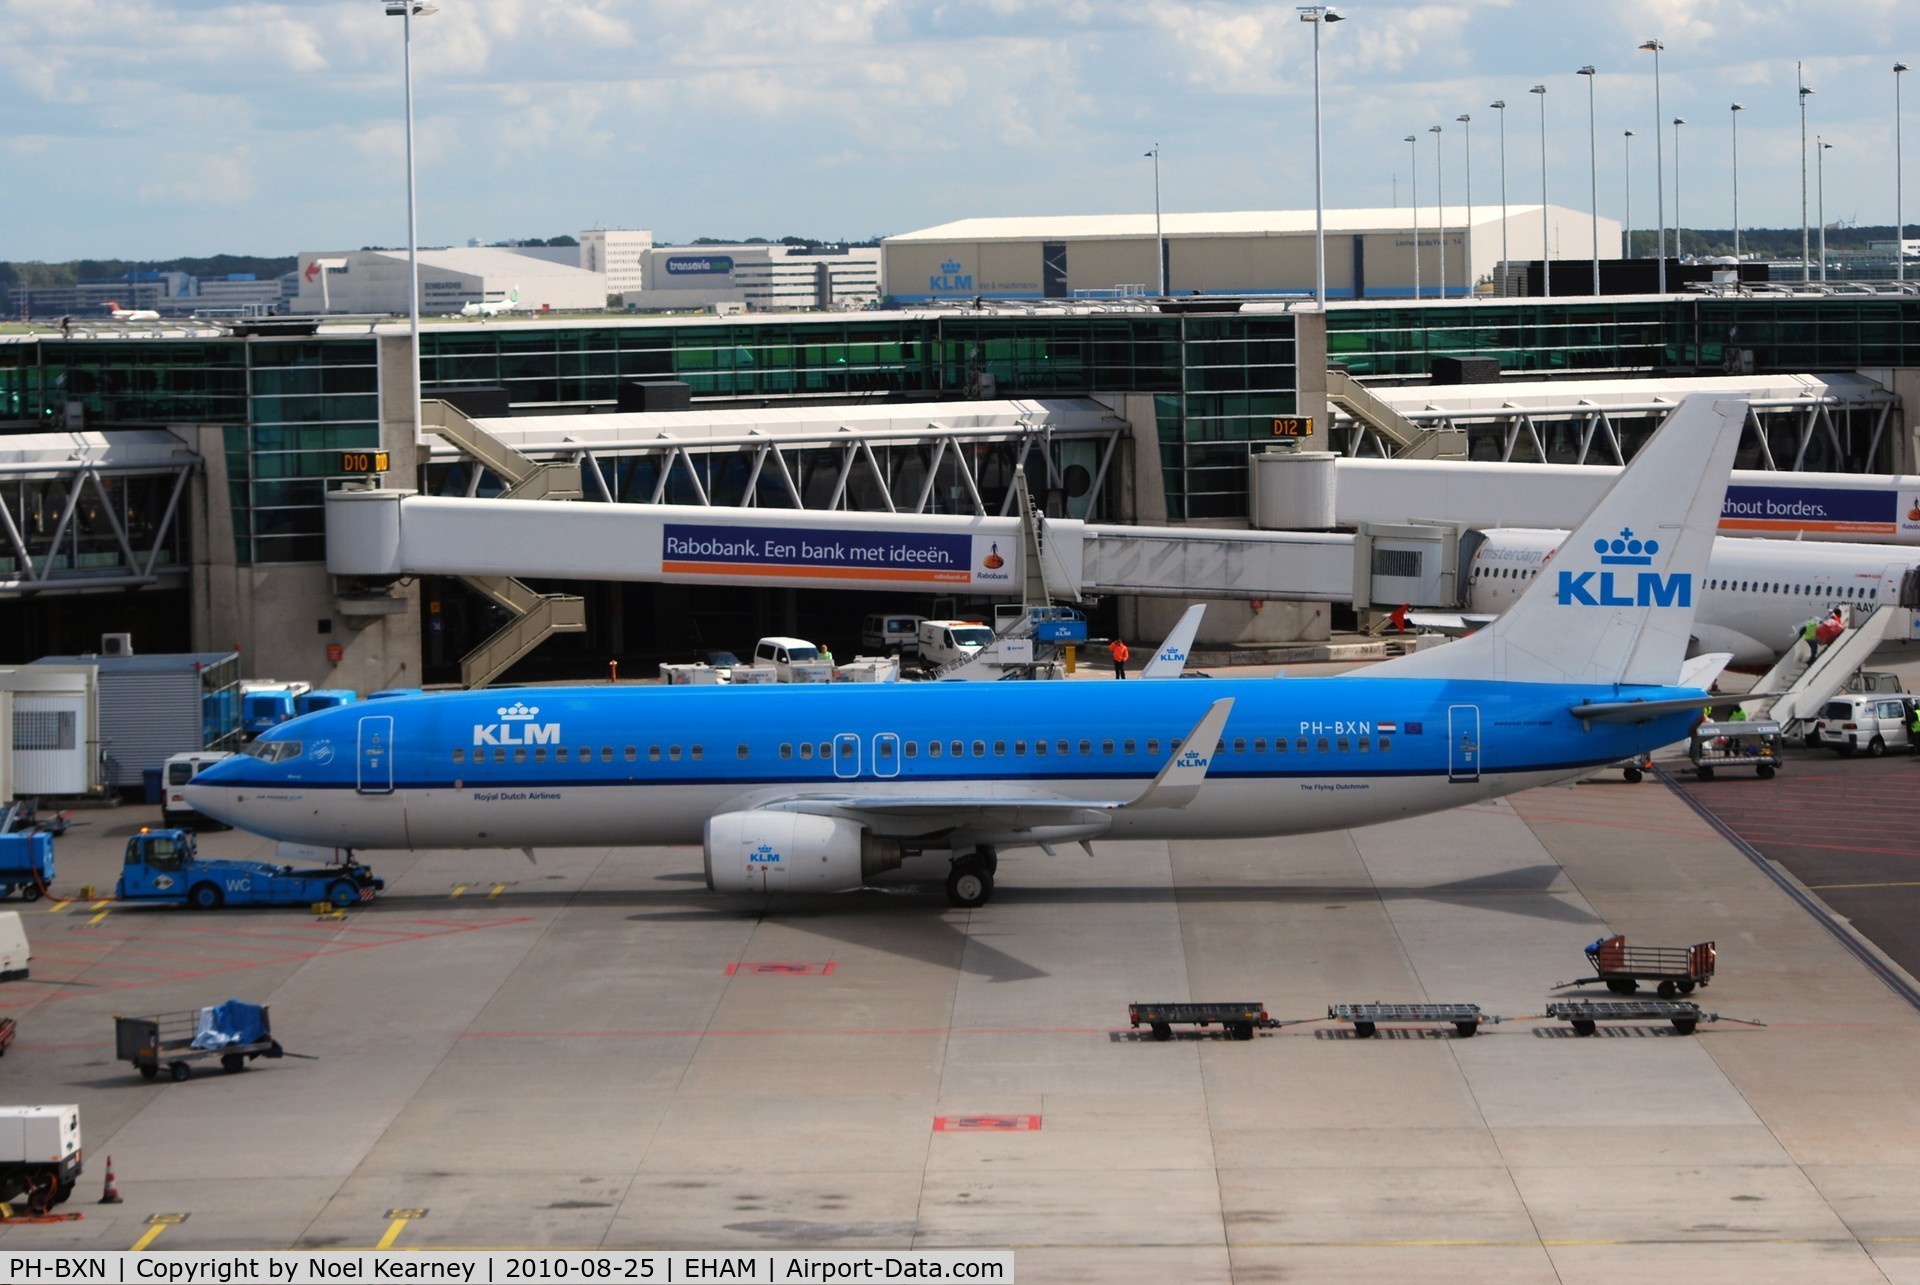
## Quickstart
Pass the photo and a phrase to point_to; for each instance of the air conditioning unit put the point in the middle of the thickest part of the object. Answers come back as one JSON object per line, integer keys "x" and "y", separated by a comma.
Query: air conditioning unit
{"x": 116, "y": 644}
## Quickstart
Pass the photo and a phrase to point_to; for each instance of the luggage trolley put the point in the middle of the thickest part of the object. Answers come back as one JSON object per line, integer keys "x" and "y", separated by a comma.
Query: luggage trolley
{"x": 1677, "y": 969}
{"x": 166, "y": 1040}
{"x": 1753, "y": 744}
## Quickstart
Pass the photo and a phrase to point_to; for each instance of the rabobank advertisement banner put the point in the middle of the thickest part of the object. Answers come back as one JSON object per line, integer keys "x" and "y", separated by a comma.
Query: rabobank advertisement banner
{"x": 809, "y": 555}
{"x": 1787, "y": 509}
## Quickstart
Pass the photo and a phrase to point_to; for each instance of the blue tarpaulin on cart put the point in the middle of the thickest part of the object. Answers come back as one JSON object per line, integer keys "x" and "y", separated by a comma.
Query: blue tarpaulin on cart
{"x": 224, "y": 1025}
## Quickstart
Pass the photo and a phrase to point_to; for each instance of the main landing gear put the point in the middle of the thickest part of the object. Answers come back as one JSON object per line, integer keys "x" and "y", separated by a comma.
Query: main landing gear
{"x": 970, "y": 881}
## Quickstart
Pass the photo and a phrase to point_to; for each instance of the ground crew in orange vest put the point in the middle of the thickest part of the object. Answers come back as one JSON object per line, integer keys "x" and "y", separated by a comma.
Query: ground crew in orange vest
{"x": 1118, "y": 650}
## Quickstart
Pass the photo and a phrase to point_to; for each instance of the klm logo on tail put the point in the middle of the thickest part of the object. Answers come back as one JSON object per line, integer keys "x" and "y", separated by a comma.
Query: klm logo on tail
{"x": 1624, "y": 588}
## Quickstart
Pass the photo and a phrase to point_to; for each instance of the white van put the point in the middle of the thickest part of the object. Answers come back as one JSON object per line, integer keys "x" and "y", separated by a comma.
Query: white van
{"x": 14, "y": 954}
{"x": 181, "y": 768}
{"x": 1875, "y": 723}
{"x": 795, "y": 660}
{"x": 891, "y": 633}
{"x": 942, "y": 641}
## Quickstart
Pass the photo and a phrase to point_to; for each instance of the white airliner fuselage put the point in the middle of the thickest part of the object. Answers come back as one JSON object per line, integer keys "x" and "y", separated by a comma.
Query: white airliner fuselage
{"x": 1754, "y": 597}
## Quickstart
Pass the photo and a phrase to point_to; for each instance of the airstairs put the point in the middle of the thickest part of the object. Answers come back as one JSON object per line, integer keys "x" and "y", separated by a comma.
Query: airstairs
{"x": 1410, "y": 440}
{"x": 536, "y": 616}
{"x": 1804, "y": 689}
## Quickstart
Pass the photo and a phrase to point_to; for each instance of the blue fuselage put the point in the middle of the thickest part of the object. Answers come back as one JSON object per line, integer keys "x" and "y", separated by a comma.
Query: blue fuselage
{"x": 648, "y": 765}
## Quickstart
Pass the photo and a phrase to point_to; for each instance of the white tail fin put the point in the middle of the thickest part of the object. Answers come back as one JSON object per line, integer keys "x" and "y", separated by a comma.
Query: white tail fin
{"x": 1171, "y": 659}
{"x": 1615, "y": 603}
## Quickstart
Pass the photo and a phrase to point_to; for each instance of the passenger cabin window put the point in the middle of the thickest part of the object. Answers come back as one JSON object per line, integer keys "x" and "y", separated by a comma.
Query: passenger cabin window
{"x": 979, "y": 749}
{"x": 459, "y": 756}
{"x": 806, "y": 749}
{"x": 559, "y": 753}
{"x": 653, "y": 753}
{"x": 695, "y": 752}
{"x": 631, "y": 754}
{"x": 519, "y": 754}
{"x": 606, "y": 753}
{"x": 913, "y": 749}
{"x": 1129, "y": 747}
{"x": 957, "y": 749}
{"x": 540, "y": 754}
{"x": 1153, "y": 746}
{"x": 999, "y": 749}
{"x": 1321, "y": 745}
{"x": 1061, "y": 748}
{"x": 499, "y": 756}
{"x": 1040, "y": 747}
{"x": 740, "y": 751}
{"x": 1386, "y": 743}
{"x": 1019, "y": 748}
{"x": 786, "y": 751}
{"x": 1086, "y": 747}
{"x": 1342, "y": 744}
{"x": 1239, "y": 745}
{"x": 933, "y": 749}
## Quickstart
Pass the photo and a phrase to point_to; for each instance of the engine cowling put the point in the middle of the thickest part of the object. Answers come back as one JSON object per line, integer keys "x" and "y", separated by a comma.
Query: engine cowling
{"x": 793, "y": 852}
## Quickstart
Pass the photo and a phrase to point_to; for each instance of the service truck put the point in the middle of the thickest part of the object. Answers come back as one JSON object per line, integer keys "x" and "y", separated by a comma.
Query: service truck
{"x": 164, "y": 865}
{"x": 945, "y": 641}
{"x": 39, "y": 1154}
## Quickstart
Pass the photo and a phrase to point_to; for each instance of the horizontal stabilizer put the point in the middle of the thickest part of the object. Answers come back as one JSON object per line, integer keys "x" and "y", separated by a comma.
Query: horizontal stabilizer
{"x": 1631, "y": 711}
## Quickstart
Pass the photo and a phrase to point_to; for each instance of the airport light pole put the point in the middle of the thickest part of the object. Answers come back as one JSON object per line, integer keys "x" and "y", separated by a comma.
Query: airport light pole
{"x": 1899, "y": 188}
{"x": 1546, "y": 259}
{"x": 1319, "y": 16}
{"x": 407, "y": 11}
{"x": 1440, "y": 205}
{"x": 1737, "y": 109}
{"x": 1160, "y": 241}
{"x": 1659, "y": 165}
{"x": 1466, "y": 240}
{"x": 1820, "y": 150}
{"x": 1678, "y": 121}
{"x": 1500, "y": 105}
{"x": 1806, "y": 251}
{"x": 1413, "y": 165}
{"x": 1593, "y": 170}
{"x": 1626, "y": 233}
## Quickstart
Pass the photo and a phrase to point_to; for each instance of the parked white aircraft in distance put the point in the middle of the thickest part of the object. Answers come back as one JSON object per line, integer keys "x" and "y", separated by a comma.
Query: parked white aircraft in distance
{"x": 485, "y": 309}
{"x": 818, "y": 787}
{"x": 118, "y": 313}
{"x": 1753, "y": 598}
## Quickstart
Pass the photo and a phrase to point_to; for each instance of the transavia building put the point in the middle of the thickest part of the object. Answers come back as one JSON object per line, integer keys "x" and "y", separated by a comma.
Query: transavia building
{"x": 1393, "y": 253}
{"x": 764, "y": 278}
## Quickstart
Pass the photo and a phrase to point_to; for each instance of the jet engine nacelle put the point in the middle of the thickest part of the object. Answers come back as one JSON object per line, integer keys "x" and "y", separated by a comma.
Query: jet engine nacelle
{"x": 793, "y": 852}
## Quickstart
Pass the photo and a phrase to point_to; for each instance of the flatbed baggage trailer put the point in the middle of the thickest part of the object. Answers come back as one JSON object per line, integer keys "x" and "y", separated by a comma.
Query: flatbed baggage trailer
{"x": 1585, "y": 1014}
{"x": 1237, "y": 1020}
{"x": 1366, "y": 1018}
{"x": 166, "y": 1040}
{"x": 1677, "y": 969}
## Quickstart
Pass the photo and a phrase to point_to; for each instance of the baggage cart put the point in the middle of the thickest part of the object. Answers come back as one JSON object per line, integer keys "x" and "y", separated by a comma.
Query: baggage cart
{"x": 1676, "y": 969}
{"x": 1238, "y": 1021}
{"x": 165, "y": 1041}
{"x": 1366, "y": 1018}
{"x": 1754, "y": 744}
{"x": 1584, "y": 1015}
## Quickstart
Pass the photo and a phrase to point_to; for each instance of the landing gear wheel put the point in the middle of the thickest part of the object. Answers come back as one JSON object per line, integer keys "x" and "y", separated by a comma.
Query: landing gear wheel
{"x": 992, "y": 859}
{"x": 969, "y": 883}
{"x": 206, "y": 896}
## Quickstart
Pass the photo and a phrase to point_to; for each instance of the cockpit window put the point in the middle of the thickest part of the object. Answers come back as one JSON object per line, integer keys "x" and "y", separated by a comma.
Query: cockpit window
{"x": 274, "y": 751}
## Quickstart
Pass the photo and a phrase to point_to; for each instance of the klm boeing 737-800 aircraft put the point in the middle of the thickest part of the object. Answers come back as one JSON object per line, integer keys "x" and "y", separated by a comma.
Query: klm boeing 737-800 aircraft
{"x": 819, "y": 788}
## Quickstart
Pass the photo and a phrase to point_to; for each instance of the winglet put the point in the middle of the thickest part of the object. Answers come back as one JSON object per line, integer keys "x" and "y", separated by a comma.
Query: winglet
{"x": 1180, "y": 779}
{"x": 1172, "y": 656}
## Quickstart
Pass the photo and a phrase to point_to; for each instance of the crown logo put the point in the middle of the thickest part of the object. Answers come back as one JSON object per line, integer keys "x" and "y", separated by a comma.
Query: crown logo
{"x": 1626, "y": 551}
{"x": 951, "y": 265}
{"x": 518, "y": 712}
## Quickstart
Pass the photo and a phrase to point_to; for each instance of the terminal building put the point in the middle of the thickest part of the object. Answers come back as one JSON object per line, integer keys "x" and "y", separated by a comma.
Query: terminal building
{"x": 1429, "y": 252}
{"x": 515, "y": 278}
{"x": 175, "y": 484}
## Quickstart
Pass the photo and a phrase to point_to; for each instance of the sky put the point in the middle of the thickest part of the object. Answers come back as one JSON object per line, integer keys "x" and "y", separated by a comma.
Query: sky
{"x": 160, "y": 128}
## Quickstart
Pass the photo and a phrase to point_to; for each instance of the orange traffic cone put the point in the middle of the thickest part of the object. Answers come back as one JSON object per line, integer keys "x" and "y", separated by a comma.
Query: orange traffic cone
{"x": 111, "y": 1196}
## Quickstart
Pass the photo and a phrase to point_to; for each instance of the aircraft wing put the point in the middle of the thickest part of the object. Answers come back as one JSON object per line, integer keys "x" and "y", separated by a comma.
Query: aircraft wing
{"x": 1016, "y": 815}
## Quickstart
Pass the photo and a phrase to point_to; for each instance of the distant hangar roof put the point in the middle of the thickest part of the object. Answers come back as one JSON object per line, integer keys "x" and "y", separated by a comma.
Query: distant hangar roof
{"x": 1234, "y": 223}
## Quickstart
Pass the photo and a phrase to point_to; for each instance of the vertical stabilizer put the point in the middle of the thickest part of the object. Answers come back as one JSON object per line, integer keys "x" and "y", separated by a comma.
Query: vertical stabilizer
{"x": 1615, "y": 602}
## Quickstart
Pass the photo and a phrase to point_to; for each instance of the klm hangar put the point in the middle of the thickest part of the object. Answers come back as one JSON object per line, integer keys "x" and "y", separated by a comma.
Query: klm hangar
{"x": 1371, "y": 254}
